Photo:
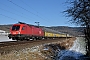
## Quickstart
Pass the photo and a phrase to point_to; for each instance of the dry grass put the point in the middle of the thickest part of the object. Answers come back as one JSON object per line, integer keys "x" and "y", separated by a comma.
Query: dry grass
{"x": 41, "y": 52}
{"x": 25, "y": 54}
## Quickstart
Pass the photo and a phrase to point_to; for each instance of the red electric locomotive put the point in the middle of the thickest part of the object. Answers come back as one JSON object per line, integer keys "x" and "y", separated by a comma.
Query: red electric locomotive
{"x": 23, "y": 31}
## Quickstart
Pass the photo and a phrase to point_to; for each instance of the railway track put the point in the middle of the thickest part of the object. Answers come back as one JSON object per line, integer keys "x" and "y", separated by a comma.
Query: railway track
{"x": 6, "y": 47}
{"x": 10, "y": 43}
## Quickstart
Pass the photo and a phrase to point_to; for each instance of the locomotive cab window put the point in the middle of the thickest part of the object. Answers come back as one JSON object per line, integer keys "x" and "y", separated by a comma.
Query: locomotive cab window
{"x": 23, "y": 28}
{"x": 15, "y": 28}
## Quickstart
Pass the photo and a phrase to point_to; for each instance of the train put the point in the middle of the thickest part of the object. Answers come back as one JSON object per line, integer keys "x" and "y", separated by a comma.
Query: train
{"x": 23, "y": 31}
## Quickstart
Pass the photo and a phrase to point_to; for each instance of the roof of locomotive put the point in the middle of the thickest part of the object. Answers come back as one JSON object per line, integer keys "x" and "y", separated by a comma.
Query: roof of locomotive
{"x": 43, "y": 28}
{"x": 27, "y": 24}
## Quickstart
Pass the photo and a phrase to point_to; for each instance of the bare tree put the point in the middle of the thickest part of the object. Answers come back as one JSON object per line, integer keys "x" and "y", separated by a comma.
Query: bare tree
{"x": 79, "y": 11}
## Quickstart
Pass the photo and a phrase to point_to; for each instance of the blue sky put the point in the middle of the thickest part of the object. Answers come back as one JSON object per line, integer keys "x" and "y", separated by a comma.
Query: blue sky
{"x": 47, "y": 12}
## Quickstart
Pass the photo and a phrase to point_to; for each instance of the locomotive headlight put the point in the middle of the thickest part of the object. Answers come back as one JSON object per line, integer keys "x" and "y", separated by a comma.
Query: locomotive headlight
{"x": 19, "y": 32}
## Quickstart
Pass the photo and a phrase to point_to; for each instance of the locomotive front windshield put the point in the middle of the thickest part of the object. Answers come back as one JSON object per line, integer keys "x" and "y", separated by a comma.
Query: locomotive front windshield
{"x": 15, "y": 28}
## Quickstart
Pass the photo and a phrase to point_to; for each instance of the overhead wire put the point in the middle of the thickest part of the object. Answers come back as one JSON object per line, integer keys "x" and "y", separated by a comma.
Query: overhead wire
{"x": 16, "y": 11}
{"x": 19, "y": 11}
{"x": 47, "y": 20}
{"x": 25, "y": 9}
{"x": 8, "y": 17}
{"x": 29, "y": 6}
{"x": 32, "y": 8}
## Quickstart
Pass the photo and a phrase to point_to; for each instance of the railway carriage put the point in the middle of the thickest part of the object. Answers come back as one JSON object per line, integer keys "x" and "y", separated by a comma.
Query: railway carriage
{"x": 52, "y": 33}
